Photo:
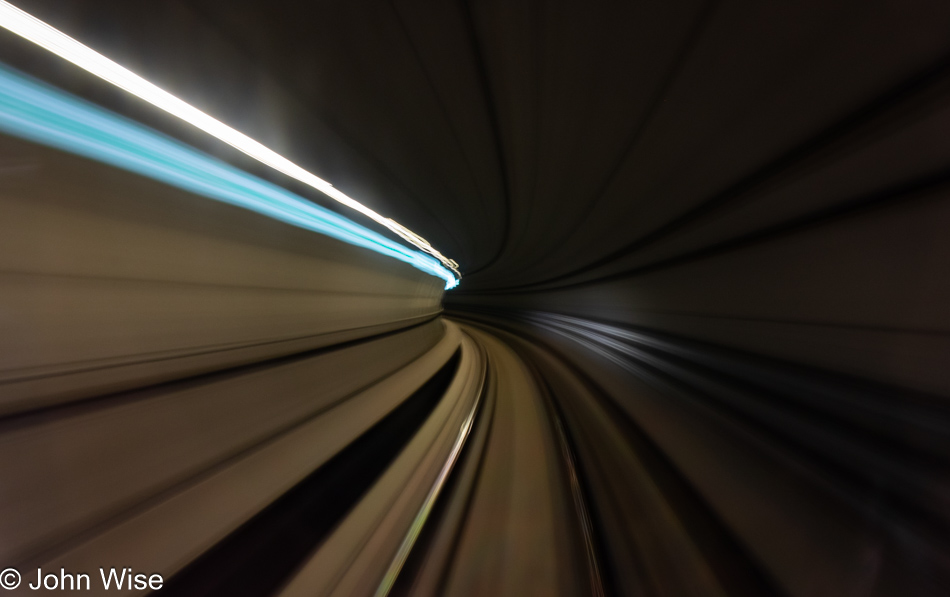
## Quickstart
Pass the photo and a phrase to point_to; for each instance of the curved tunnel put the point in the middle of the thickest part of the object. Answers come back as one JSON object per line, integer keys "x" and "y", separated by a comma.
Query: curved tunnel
{"x": 700, "y": 345}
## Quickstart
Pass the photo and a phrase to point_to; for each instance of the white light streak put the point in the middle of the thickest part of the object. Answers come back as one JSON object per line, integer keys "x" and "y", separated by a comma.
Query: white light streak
{"x": 57, "y": 42}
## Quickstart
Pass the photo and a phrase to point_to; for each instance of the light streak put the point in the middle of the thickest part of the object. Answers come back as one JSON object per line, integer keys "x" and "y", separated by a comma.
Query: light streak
{"x": 36, "y": 112}
{"x": 57, "y": 42}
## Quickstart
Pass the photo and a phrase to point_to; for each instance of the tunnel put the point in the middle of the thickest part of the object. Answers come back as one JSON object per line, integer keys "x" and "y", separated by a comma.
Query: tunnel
{"x": 491, "y": 298}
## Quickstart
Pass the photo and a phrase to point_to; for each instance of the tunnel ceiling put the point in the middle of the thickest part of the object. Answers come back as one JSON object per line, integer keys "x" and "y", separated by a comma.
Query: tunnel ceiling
{"x": 552, "y": 143}
{"x": 541, "y": 141}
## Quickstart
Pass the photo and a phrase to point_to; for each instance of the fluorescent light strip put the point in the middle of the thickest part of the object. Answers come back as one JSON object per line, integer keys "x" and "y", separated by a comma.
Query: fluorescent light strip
{"x": 36, "y": 112}
{"x": 38, "y": 32}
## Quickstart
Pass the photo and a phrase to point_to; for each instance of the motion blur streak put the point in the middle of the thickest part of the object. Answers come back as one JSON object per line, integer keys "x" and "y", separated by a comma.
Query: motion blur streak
{"x": 40, "y": 33}
{"x": 38, "y": 113}
{"x": 407, "y": 544}
{"x": 700, "y": 349}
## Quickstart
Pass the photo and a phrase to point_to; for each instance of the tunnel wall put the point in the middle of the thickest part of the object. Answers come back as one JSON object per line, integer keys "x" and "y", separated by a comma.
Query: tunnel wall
{"x": 172, "y": 365}
{"x": 111, "y": 281}
{"x": 863, "y": 295}
{"x": 780, "y": 346}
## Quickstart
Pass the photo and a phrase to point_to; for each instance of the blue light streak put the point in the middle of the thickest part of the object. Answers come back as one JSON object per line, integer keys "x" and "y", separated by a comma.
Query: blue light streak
{"x": 36, "y": 112}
